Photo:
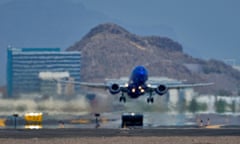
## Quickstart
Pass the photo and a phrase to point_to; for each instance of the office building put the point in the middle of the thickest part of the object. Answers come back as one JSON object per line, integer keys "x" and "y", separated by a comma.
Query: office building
{"x": 25, "y": 65}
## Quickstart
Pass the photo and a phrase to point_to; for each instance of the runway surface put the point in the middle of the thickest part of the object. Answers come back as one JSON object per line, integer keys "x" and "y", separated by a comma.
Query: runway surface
{"x": 79, "y": 133}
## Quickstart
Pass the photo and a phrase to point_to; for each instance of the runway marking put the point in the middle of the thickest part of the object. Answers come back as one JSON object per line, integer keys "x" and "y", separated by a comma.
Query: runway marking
{"x": 88, "y": 121}
{"x": 80, "y": 121}
{"x": 214, "y": 126}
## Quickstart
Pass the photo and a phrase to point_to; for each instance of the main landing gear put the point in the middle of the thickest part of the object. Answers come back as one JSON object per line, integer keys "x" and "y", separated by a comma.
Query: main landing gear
{"x": 150, "y": 100}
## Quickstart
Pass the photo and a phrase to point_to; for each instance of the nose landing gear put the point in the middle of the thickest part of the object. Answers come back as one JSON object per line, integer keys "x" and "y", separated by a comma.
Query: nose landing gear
{"x": 150, "y": 98}
{"x": 122, "y": 98}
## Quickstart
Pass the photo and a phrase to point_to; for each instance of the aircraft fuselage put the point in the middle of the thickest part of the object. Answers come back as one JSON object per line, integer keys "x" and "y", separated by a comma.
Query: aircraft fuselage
{"x": 137, "y": 83}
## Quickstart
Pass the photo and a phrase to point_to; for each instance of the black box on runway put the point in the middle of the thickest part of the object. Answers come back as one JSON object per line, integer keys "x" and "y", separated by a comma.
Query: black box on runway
{"x": 132, "y": 120}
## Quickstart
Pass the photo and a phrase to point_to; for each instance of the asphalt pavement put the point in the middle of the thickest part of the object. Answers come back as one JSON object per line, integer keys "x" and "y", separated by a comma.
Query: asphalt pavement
{"x": 161, "y": 132}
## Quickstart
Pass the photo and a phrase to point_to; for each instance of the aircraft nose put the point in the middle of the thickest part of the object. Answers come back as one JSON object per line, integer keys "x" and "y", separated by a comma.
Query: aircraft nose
{"x": 142, "y": 72}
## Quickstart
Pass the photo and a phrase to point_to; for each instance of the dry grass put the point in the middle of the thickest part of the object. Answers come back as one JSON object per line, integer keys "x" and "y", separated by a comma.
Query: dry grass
{"x": 126, "y": 140}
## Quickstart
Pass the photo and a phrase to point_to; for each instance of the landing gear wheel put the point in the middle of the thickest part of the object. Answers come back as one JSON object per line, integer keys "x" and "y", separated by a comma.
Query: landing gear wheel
{"x": 122, "y": 99}
{"x": 150, "y": 100}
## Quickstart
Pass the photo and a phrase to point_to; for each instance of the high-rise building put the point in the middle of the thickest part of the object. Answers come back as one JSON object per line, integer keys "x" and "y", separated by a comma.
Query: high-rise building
{"x": 25, "y": 65}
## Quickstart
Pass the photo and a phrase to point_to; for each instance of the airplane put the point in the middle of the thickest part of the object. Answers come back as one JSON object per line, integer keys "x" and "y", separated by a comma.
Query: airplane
{"x": 138, "y": 85}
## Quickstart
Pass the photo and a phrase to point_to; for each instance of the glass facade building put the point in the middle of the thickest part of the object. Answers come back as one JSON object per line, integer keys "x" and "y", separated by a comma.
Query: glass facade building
{"x": 25, "y": 64}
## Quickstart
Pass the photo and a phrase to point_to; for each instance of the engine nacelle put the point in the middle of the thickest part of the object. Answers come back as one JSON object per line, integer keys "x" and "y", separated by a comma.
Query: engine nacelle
{"x": 114, "y": 88}
{"x": 161, "y": 89}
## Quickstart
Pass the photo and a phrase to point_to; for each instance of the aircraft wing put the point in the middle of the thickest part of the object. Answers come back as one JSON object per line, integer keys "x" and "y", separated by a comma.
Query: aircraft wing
{"x": 93, "y": 85}
{"x": 169, "y": 85}
{"x": 178, "y": 85}
{"x": 106, "y": 85}
{"x": 86, "y": 84}
{"x": 162, "y": 88}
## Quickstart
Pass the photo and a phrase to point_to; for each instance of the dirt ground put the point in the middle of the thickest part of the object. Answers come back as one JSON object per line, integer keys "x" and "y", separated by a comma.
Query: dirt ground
{"x": 126, "y": 140}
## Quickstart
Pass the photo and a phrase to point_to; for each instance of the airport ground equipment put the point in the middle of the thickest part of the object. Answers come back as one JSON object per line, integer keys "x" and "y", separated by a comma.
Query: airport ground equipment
{"x": 33, "y": 120}
{"x": 132, "y": 120}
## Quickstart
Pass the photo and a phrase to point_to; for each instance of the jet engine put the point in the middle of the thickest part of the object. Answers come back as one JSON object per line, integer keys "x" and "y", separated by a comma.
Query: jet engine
{"x": 114, "y": 88}
{"x": 161, "y": 89}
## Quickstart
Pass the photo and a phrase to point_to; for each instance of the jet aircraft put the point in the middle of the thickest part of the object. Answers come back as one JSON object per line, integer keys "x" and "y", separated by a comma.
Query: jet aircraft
{"x": 138, "y": 85}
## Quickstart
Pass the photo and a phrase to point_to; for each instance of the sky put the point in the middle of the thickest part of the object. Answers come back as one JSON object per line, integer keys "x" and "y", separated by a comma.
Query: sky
{"x": 207, "y": 29}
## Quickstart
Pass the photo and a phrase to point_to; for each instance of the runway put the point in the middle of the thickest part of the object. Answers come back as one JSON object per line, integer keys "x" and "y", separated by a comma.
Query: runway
{"x": 81, "y": 133}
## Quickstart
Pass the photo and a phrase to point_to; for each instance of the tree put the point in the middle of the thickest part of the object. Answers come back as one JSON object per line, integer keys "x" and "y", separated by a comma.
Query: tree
{"x": 220, "y": 106}
{"x": 233, "y": 106}
{"x": 193, "y": 107}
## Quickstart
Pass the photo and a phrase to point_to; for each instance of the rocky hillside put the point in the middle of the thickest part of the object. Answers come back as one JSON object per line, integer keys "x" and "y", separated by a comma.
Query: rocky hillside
{"x": 110, "y": 51}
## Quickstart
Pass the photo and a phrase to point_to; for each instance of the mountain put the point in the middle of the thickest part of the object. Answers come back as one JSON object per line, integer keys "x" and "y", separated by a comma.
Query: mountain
{"x": 110, "y": 51}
